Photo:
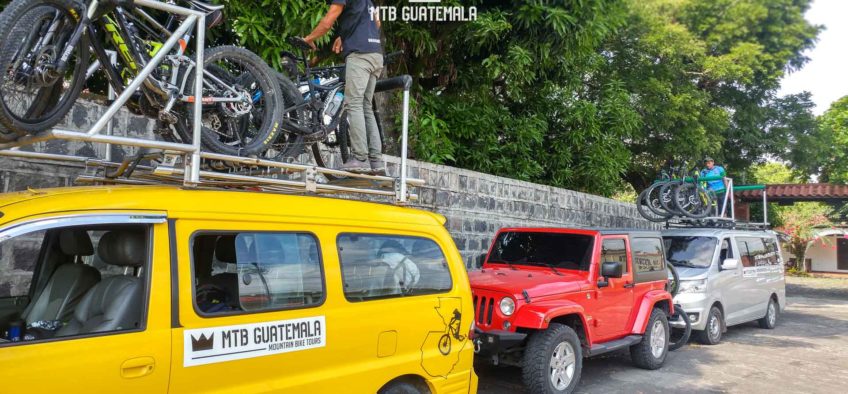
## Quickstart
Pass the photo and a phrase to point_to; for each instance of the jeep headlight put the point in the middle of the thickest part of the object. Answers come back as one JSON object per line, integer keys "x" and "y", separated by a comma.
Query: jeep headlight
{"x": 693, "y": 286}
{"x": 507, "y": 306}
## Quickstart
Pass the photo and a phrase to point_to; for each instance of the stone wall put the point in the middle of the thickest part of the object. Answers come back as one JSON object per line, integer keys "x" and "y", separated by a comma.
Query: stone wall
{"x": 476, "y": 205}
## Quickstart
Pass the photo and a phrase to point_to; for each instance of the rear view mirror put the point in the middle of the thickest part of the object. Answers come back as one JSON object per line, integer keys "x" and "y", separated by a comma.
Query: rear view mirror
{"x": 729, "y": 264}
{"x": 612, "y": 269}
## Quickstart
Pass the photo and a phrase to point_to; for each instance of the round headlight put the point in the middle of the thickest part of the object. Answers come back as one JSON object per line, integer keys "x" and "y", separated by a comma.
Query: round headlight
{"x": 507, "y": 306}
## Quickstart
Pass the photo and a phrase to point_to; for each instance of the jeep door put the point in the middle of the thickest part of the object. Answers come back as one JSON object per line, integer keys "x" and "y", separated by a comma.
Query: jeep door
{"x": 99, "y": 306}
{"x": 615, "y": 301}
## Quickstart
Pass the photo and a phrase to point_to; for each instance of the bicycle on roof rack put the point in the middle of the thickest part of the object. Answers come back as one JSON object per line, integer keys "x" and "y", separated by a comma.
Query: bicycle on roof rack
{"x": 678, "y": 192}
{"x": 315, "y": 117}
{"x": 45, "y": 54}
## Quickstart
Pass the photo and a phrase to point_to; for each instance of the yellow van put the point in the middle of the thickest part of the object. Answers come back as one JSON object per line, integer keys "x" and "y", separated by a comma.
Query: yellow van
{"x": 156, "y": 289}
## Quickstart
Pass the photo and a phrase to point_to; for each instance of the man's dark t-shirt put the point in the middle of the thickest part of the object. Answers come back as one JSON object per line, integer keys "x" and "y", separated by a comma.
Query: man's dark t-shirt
{"x": 357, "y": 28}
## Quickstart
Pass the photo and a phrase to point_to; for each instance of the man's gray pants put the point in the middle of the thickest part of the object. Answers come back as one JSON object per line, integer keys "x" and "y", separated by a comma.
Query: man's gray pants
{"x": 362, "y": 71}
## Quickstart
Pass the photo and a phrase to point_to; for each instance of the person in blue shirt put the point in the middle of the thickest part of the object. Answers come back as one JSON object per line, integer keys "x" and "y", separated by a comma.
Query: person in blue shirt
{"x": 717, "y": 186}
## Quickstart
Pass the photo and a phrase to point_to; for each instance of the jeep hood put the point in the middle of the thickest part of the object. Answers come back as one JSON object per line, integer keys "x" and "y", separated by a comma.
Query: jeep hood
{"x": 537, "y": 283}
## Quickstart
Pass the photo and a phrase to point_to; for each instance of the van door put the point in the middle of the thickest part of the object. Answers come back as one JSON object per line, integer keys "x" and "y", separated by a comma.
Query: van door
{"x": 615, "y": 302}
{"x": 728, "y": 286}
{"x": 100, "y": 322}
{"x": 755, "y": 262}
{"x": 254, "y": 309}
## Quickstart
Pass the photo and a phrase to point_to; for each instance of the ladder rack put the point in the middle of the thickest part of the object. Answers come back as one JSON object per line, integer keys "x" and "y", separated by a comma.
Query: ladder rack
{"x": 727, "y": 217}
{"x": 187, "y": 164}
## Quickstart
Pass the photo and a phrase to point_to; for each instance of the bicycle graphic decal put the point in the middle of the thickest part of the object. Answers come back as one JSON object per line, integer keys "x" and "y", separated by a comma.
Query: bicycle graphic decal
{"x": 449, "y": 342}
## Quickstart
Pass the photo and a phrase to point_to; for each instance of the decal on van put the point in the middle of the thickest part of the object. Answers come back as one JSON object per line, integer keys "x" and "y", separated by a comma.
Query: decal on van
{"x": 219, "y": 344}
{"x": 441, "y": 349}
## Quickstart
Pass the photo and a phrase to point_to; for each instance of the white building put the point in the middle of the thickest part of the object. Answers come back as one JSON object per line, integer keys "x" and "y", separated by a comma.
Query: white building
{"x": 828, "y": 251}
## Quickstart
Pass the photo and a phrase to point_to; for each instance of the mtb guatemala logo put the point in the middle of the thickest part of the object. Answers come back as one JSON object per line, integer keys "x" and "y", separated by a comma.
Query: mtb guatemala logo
{"x": 425, "y": 11}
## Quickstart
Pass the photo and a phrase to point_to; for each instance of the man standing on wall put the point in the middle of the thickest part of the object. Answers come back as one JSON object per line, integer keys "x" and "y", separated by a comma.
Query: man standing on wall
{"x": 717, "y": 186}
{"x": 359, "y": 43}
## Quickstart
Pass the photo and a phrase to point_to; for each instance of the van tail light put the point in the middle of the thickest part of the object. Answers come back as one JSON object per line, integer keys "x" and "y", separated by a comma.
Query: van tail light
{"x": 471, "y": 333}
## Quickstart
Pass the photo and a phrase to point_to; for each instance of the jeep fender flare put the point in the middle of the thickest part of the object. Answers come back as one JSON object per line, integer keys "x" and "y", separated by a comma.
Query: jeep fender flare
{"x": 649, "y": 301}
{"x": 539, "y": 315}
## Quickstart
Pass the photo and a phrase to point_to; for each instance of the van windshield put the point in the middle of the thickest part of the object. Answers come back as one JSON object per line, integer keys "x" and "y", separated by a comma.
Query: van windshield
{"x": 558, "y": 250}
{"x": 692, "y": 252}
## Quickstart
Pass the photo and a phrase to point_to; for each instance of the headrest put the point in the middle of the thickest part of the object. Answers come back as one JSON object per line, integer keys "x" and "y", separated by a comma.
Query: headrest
{"x": 426, "y": 249}
{"x": 126, "y": 248}
{"x": 225, "y": 249}
{"x": 392, "y": 246}
{"x": 75, "y": 243}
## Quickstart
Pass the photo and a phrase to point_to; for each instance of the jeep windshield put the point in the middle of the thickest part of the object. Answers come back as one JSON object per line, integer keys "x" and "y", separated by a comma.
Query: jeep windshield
{"x": 690, "y": 252}
{"x": 557, "y": 250}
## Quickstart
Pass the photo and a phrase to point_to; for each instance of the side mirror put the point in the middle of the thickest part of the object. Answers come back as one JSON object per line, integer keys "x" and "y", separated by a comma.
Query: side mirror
{"x": 612, "y": 269}
{"x": 729, "y": 264}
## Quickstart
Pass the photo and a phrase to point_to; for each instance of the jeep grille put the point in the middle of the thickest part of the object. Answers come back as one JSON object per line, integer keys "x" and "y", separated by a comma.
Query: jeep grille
{"x": 484, "y": 307}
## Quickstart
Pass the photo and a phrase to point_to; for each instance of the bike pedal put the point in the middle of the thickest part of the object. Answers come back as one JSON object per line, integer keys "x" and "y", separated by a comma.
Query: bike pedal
{"x": 168, "y": 117}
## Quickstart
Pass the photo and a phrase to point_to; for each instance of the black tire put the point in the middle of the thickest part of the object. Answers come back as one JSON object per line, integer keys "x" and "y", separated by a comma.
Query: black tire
{"x": 644, "y": 205}
{"x": 337, "y": 145}
{"x": 234, "y": 139}
{"x": 711, "y": 334}
{"x": 20, "y": 21}
{"x": 679, "y": 336}
{"x": 666, "y": 197}
{"x": 656, "y": 333}
{"x": 769, "y": 321}
{"x": 404, "y": 388}
{"x": 692, "y": 201}
{"x": 536, "y": 363}
{"x": 289, "y": 144}
{"x": 673, "y": 286}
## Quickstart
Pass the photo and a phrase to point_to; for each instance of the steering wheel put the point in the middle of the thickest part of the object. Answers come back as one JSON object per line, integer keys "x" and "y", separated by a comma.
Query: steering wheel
{"x": 299, "y": 43}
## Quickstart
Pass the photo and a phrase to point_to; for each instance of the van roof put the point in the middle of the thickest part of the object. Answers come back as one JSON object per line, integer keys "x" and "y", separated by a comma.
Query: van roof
{"x": 715, "y": 232}
{"x": 178, "y": 202}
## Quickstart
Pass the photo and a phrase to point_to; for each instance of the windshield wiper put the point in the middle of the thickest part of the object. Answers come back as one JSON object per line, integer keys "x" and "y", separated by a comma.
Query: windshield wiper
{"x": 504, "y": 262}
{"x": 551, "y": 266}
{"x": 683, "y": 264}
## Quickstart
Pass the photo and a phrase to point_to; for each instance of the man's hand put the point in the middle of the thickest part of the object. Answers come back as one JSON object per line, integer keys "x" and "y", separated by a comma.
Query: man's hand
{"x": 325, "y": 25}
{"x": 311, "y": 41}
{"x": 337, "y": 46}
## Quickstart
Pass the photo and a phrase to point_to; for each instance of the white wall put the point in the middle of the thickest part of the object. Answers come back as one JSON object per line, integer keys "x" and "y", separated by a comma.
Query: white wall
{"x": 824, "y": 257}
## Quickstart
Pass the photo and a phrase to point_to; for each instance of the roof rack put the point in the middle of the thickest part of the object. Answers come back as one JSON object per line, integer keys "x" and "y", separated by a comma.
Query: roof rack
{"x": 727, "y": 217}
{"x": 163, "y": 162}
{"x": 716, "y": 222}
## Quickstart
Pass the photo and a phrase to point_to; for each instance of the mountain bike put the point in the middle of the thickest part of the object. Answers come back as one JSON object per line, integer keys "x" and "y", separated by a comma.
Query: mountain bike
{"x": 675, "y": 193}
{"x": 319, "y": 119}
{"x": 452, "y": 330}
{"x": 45, "y": 53}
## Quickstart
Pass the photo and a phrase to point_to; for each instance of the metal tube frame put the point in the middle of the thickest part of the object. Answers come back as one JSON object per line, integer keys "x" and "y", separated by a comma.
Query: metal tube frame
{"x": 192, "y": 153}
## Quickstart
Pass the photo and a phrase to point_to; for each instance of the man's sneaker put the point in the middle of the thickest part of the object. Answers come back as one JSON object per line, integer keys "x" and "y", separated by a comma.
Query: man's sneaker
{"x": 378, "y": 167}
{"x": 356, "y": 166}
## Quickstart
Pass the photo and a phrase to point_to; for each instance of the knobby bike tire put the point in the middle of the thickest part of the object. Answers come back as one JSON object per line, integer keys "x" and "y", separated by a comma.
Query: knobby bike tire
{"x": 342, "y": 144}
{"x": 657, "y": 209}
{"x": 49, "y": 106}
{"x": 643, "y": 205}
{"x": 667, "y": 189}
{"x": 685, "y": 193}
{"x": 269, "y": 127}
{"x": 289, "y": 144}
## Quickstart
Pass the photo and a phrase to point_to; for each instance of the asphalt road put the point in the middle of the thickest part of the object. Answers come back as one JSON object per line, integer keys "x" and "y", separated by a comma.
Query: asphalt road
{"x": 806, "y": 353}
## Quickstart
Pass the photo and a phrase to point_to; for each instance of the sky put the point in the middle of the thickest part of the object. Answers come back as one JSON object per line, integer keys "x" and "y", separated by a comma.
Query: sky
{"x": 826, "y": 74}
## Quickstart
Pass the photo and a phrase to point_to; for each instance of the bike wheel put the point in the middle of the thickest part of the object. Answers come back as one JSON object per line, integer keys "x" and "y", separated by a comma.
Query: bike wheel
{"x": 289, "y": 144}
{"x": 693, "y": 201}
{"x": 335, "y": 149}
{"x": 644, "y": 203}
{"x": 33, "y": 96}
{"x": 243, "y": 128}
{"x": 666, "y": 197}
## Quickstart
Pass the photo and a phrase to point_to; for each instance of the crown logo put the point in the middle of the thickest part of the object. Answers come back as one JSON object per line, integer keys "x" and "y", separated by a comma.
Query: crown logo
{"x": 202, "y": 343}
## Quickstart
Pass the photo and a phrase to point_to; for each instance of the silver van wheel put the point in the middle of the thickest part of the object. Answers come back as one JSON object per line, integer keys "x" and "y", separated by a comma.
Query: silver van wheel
{"x": 772, "y": 316}
{"x": 562, "y": 366}
{"x": 657, "y": 339}
{"x": 714, "y": 327}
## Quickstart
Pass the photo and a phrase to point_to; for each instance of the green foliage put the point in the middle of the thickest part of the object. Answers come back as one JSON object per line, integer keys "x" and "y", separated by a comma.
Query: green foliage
{"x": 834, "y": 129}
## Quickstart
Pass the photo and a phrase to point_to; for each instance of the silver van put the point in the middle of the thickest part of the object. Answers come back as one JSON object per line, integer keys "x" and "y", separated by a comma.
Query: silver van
{"x": 727, "y": 277}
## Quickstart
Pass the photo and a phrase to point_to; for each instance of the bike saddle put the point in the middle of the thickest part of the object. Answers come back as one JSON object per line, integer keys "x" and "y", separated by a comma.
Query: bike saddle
{"x": 299, "y": 43}
{"x": 214, "y": 13}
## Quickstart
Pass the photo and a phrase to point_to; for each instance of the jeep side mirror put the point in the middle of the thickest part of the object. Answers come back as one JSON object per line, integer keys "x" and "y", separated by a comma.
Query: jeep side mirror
{"x": 612, "y": 269}
{"x": 729, "y": 264}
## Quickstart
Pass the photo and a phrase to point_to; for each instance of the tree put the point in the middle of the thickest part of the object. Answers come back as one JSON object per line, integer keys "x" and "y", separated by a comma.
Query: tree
{"x": 833, "y": 126}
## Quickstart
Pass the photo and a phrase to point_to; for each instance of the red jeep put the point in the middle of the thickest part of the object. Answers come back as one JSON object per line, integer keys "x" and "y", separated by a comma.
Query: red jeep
{"x": 545, "y": 298}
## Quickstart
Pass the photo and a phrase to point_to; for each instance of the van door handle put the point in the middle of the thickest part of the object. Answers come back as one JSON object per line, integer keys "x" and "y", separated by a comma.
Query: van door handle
{"x": 137, "y": 367}
{"x": 629, "y": 285}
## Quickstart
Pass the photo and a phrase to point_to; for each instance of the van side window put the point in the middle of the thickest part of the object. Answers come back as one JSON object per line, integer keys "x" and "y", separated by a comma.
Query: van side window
{"x": 614, "y": 250}
{"x": 255, "y": 271}
{"x": 379, "y": 266}
{"x": 726, "y": 251}
{"x": 72, "y": 281}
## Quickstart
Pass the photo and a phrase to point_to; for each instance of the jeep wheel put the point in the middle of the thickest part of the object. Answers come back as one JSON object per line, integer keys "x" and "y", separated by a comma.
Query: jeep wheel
{"x": 552, "y": 360}
{"x": 651, "y": 352}
{"x": 711, "y": 335}
{"x": 769, "y": 321}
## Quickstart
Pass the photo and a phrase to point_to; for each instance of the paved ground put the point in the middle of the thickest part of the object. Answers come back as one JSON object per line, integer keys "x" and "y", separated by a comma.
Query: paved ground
{"x": 806, "y": 353}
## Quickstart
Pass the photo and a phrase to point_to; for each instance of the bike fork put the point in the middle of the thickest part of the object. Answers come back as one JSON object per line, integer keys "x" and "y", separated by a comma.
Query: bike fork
{"x": 85, "y": 19}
